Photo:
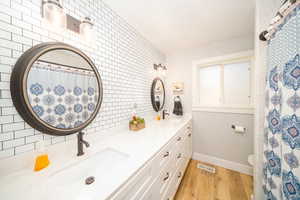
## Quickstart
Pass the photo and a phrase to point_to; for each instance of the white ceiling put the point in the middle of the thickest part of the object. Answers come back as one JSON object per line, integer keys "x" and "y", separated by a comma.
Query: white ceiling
{"x": 173, "y": 25}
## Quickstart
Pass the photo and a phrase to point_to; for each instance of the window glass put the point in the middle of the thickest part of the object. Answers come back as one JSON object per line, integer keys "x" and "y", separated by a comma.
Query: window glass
{"x": 237, "y": 84}
{"x": 209, "y": 85}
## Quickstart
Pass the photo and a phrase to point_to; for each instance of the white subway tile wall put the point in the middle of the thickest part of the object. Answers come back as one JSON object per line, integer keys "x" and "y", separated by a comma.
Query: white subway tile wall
{"x": 123, "y": 57}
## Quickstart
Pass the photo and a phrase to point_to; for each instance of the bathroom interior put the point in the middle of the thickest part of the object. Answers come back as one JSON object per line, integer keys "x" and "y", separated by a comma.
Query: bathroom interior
{"x": 149, "y": 100}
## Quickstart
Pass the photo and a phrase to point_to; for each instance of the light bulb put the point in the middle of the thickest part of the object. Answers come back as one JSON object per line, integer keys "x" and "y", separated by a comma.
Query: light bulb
{"x": 86, "y": 29}
{"x": 164, "y": 72}
{"x": 54, "y": 14}
{"x": 160, "y": 70}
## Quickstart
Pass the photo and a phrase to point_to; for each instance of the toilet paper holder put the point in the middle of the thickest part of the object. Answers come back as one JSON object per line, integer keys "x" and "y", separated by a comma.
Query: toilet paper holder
{"x": 238, "y": 128}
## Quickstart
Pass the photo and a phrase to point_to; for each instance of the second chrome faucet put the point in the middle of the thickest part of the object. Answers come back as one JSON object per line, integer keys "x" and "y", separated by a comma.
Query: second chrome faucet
{"x": 164, "y": 113}
{"x": 80, "y": 143}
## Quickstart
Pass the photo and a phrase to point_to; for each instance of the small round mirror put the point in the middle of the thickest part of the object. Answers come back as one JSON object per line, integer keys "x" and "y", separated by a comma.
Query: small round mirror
{"x": 158, "y": 94}
{"x": 56, "y": 88}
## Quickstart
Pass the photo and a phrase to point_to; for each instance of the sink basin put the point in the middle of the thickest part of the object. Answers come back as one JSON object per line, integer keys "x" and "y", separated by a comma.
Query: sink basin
{"x": 76, "y": 174}
{"x": 172, "y": 121}
{"x": 175, "y": 119}
{"x": 68, "y": 182}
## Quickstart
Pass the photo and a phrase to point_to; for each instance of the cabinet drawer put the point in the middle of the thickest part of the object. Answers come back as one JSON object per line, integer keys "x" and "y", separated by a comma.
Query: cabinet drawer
{"x": 163, "y": 180}
{"x": 188, "y": 130}
{"x": 174, "y": 183}
{"x": 150, "y": 193}
{"x": 179, "y": 141}
{"x": 172, "y": 186}
{"x": 189, "y": 145}
{"x": 177, "y": 180}
{"x": 180, "y": 150}
{"x": 136, "y": 186}
{"x": 179, "y": 155}
{"x": 165, "y": 155}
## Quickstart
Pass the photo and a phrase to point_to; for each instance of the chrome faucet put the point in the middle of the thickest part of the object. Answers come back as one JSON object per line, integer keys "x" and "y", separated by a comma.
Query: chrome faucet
{"x": 164, "y": 113}
{"x": 80, "y": 143}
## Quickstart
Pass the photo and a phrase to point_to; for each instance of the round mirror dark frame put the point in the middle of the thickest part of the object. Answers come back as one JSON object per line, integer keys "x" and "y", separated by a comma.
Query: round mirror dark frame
{"x": 153, "y": 95}
{"x": 18, "y": 87}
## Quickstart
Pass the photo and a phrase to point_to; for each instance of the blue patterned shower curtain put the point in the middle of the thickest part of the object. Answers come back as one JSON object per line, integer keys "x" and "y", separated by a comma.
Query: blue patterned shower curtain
{"x": 282, "y": 127}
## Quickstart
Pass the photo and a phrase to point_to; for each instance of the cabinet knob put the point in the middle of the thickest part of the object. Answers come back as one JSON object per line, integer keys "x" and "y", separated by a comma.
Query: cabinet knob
{"x": 179, "y": 175}
{"x": 189, "y": 128}
{"x": 179, "y": 155}
{"x": 166, "y": 154}
{"x": 179, "y": 138}
{"x": 189, "y": 134}
{"x": 167, "y": 176}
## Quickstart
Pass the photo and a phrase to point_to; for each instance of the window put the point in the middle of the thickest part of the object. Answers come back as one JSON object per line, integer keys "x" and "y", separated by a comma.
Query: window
{"x": 237, "y": 83}
{"x": 210, "y": 85}
{"x": 223, "y": 85}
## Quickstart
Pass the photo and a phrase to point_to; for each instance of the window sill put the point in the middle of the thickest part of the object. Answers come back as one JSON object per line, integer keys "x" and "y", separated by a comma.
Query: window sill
{"x": 224, "y": 109}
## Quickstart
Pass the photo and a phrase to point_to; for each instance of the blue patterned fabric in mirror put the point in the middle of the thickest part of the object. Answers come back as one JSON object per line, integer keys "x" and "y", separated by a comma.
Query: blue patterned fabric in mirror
{"x": 62, "y": 98}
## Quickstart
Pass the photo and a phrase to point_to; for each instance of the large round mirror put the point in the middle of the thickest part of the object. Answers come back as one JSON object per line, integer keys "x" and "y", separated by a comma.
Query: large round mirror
{"x": 158, "y": 94}
{"x": 56, "y": 88}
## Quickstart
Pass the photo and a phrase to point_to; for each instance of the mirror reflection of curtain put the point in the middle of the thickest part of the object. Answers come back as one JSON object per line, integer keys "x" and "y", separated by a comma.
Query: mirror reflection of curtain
{"x": 281, "y": 180}
{"x": 62, "y": 97}
{"x": 157, "y": 102}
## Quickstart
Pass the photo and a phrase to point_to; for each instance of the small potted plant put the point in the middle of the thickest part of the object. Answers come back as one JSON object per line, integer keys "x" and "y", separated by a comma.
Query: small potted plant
{"x": 137, "y": 123}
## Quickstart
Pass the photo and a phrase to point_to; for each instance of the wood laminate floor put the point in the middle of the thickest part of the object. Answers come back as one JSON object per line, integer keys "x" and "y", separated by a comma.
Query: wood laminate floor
{"x": 223, "y": 185}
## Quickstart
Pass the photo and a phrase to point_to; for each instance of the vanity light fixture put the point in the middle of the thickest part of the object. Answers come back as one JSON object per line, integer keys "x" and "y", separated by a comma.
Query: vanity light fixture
{"x": 160, "y": 69}
{"x": 86, "y": 28}
{"x": 53, "y": 13}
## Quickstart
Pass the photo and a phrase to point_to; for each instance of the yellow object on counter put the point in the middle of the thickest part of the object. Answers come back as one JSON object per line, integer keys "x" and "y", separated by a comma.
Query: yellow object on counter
{"x": 158, "y": 117}
{"x": 41, "y": 162}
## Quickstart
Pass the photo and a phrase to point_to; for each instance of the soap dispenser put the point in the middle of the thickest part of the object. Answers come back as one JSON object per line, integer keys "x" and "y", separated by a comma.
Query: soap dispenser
{"x": 42, "y": 159}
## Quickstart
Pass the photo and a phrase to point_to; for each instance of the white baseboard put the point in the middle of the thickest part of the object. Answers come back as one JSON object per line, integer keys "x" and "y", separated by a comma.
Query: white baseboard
{"x": 245, "y": 169}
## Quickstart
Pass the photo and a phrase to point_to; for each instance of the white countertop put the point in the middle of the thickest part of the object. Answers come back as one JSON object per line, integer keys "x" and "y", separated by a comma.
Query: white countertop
{"x": 18, "y": 181}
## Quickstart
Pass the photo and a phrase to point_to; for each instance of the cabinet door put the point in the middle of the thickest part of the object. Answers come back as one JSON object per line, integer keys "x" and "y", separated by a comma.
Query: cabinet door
{"x": 190, "y": 144}
{"x": 149, "y": 196}
{"x": 151, "y": 193}
{"x": 173, "y": 185}
{"x": 136, "y": 186}
{"x": 162, "y": 182}
{"x": 178, "y": 178}
{"x": 189, "y": 141}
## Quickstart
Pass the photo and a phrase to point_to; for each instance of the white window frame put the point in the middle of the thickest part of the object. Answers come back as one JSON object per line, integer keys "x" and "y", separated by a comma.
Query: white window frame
{"x": 222, "y": 60}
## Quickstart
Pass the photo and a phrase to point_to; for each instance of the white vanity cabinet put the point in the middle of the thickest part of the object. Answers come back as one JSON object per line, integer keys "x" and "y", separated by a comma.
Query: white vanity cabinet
{"x": 160, "y": 177}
